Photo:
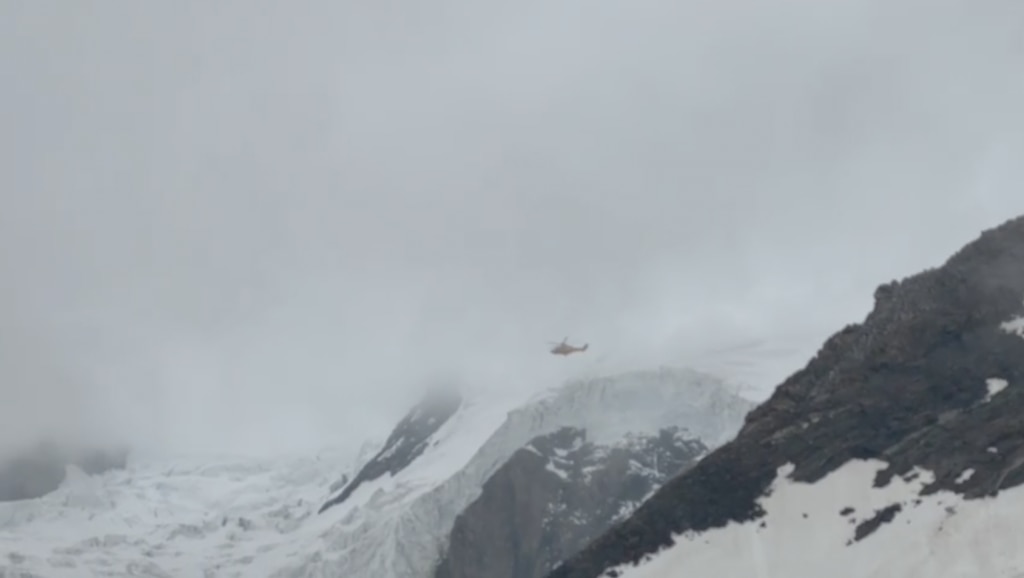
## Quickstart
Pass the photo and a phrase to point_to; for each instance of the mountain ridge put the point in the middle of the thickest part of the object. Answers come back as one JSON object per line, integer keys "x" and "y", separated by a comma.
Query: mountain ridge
{"x": 397, "y": 525}
{"x": 407, "y": 442}
{"x": 556, "y": 494}
{"x": 908, "y": 385}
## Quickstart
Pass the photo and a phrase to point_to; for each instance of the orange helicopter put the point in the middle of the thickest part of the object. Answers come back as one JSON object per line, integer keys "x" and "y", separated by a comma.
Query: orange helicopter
{"x": 565, "y": 349}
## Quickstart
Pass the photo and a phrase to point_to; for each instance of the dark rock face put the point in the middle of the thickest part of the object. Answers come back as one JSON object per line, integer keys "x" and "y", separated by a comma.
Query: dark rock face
{"x": 907, "y": 386}
{"x": 554, "y": 496}
{"x": 883, "y": 516}
{"x": 41, "y": 471}
{"x": 406, "y": 443}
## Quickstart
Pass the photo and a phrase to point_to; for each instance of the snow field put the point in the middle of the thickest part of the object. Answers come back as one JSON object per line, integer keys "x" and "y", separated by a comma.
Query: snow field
{"x": 804, "y": 535}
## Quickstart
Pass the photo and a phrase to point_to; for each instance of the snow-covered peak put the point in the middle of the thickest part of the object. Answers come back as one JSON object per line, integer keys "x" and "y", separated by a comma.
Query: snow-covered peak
{"x": 394, "y": 525}
{"x": 610, "y": 407}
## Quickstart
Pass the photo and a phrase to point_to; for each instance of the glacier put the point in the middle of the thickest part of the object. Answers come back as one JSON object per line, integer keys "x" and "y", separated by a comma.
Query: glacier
{"x": 396, "y": 527}
{"x": 232, "y": 517}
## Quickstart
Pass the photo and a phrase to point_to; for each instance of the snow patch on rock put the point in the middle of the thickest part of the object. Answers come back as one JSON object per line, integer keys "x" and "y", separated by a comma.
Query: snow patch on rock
{"x": 1014, "y": 326}
{"x": 995, "y": 385}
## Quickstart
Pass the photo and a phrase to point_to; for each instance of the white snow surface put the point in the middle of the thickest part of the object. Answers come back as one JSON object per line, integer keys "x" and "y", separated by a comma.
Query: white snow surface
{"x": 396, "y": 527}
{"x": 245, "y": 517}
{"x": 170, "y": 516}
{"x": 942, "y": 536}
{"x": 1015, "y": 326}
{"x": 995, "y": 385}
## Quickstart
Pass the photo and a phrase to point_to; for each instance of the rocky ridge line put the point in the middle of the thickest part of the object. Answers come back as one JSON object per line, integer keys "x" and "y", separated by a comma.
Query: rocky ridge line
{"x": 911, "y": 385}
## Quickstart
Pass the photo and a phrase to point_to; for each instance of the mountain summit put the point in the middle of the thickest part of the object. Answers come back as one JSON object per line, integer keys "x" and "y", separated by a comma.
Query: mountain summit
{"x": 900, "y": 421}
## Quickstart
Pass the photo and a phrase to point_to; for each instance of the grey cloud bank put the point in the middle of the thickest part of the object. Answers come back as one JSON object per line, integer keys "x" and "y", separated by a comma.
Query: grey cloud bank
{"x": 260, "y": 226}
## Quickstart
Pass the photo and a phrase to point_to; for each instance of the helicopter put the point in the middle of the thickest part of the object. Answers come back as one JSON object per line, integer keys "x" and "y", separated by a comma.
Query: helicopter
{"x": 565, "y": 349}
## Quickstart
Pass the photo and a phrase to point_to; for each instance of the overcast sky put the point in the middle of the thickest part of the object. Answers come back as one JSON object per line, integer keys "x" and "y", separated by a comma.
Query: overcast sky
{"x": 266, "y": 225}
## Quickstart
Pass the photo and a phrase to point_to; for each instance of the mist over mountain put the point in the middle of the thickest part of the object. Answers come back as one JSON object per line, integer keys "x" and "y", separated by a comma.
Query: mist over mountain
{"x": 239, "y": 240}
{"x": 222, "y": 224}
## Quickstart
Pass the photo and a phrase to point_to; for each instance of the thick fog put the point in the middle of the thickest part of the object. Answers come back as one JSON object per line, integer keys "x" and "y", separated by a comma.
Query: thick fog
{"x": 263, "y": 226}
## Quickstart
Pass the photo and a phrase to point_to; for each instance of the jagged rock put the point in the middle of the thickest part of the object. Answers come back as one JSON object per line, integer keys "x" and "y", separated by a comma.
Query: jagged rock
{"x": 908, "y": 386}
{"x": 555, "y": 495}
{"x": 407, "y": 441}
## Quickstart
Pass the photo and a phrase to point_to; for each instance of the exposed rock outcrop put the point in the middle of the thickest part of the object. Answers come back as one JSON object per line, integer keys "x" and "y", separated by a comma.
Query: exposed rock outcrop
{"x": 407, "y": 442}
{"x": 933, "y": 377}
{"x": 555, "y": 495}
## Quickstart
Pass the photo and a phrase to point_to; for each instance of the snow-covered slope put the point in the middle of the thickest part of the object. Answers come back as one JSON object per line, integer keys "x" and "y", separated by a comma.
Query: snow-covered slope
{"x": 940, "y": 535}
{"x": 417, "y": 433}
{"x": 395, "y": 525}
{"x": 897, "y": 451}
{"x": 223, "y": 516}
{"x": 171, "y": 516}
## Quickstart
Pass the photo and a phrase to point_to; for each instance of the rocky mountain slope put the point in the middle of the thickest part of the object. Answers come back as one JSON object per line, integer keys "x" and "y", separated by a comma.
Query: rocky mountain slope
{"x": 866, "y": 454}
{"x": 555, "y": 495}
{"x": 394, "y": 518}
{"x": 407, "y": 442}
